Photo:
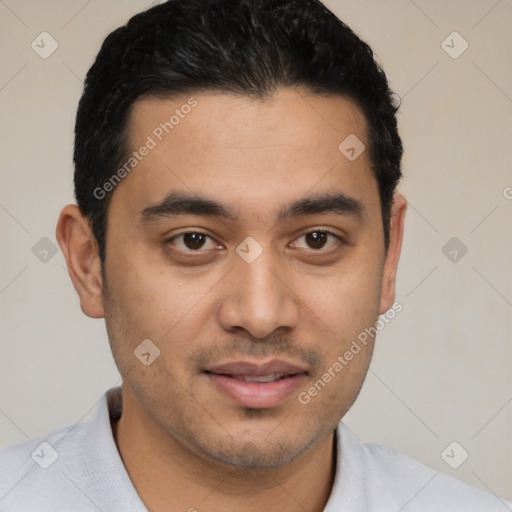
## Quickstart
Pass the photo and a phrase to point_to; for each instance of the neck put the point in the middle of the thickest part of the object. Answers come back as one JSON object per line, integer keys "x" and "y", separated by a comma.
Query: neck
{"x": 167, "y": 476}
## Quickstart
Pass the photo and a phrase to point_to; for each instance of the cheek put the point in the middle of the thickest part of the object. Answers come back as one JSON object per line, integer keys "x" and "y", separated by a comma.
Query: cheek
{"x": 344, "y": 308}
{"x": 346, "y": 302}
{"x": 152, "y": 301}
{"x": 330, "y": 394}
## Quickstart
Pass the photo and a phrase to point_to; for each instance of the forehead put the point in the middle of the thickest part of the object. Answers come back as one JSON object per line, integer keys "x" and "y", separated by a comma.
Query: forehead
{"x": 249, "y": 150}
{"x": 228, "y": 119}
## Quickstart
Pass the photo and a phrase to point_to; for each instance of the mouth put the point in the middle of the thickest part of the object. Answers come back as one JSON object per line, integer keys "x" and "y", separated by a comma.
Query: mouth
{"x": 271, "y": 377}
{"x": 257, "y": 386}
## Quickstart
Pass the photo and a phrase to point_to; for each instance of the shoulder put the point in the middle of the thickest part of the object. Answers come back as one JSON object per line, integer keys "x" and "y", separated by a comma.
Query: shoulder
{"x": 75, "y": 468}
{"x": 34, "y": 465}
{"x": 411, "y": 485}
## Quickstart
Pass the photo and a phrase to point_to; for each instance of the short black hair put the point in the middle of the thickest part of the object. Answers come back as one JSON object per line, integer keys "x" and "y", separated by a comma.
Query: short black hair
{"x": 246, "y": 47}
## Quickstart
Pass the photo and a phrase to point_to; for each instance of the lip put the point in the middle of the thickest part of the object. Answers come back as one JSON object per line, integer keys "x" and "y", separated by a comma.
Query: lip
{"x": 257, "y": 395}
{"x": 255, "y": 369}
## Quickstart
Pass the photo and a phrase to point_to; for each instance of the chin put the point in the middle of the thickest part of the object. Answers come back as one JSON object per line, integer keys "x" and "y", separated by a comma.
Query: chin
{"x": 260, "y": 454}
{"x": 252, "y": 457}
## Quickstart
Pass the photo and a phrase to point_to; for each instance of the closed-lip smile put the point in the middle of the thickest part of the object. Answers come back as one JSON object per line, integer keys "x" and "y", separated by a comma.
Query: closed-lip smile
{"x": 255, "y": 384}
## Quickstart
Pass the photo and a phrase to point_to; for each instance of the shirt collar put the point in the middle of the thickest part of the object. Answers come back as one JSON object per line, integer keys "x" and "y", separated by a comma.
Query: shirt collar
{"x": 108, "y": 480}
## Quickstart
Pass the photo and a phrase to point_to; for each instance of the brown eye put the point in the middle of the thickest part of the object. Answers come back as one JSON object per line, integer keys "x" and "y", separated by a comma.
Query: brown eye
{"x": 193, "y": 241}
{"x": 317, "y": 240}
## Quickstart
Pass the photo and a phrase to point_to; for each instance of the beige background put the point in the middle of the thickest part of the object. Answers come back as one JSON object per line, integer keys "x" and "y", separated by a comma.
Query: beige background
{"x": 442, "y": 368}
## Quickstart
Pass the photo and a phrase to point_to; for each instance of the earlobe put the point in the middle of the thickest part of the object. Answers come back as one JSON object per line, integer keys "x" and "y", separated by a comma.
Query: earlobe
{"x": 393, "y": 254}
{"x": 79, "y": 247}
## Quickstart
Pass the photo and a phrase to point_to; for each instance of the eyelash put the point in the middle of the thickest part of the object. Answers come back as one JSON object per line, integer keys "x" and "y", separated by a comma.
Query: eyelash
{"x": 338, "y": 238}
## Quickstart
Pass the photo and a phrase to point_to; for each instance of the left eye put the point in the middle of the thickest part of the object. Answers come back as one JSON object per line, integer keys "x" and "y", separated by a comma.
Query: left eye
{"x": 193, "y": 241}
{"x": 317, "y": 239}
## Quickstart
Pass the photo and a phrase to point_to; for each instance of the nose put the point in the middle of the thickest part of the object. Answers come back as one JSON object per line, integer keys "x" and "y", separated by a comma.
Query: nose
{"x": 257, "y": 298}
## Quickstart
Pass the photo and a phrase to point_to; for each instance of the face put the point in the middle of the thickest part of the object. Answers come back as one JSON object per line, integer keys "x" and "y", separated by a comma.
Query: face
{"x": 249, "y": 249}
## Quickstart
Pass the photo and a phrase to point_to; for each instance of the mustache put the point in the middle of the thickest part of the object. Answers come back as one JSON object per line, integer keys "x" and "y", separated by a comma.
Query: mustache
{"x": 246, "y": 347}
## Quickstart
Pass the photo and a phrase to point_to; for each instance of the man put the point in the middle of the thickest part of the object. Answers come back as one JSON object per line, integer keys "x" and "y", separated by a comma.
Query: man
{"x": 238, "y": 227}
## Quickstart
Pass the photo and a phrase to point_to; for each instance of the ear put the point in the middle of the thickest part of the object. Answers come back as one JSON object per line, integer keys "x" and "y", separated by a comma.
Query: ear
{"x": 396, "y": 232}
{"x": 80, "y": 249}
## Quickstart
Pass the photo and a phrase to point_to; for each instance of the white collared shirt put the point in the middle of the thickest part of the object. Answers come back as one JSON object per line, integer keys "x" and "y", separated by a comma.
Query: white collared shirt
{"x": 79, "y": 469}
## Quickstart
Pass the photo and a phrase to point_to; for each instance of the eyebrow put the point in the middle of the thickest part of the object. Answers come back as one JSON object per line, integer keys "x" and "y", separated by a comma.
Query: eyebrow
{"x": 178, "y": 203}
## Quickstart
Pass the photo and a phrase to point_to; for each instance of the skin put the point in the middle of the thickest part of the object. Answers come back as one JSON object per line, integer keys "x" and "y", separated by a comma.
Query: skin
{"x": 185, "y": 443}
